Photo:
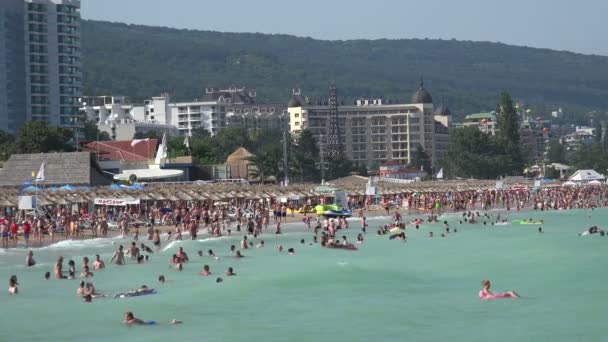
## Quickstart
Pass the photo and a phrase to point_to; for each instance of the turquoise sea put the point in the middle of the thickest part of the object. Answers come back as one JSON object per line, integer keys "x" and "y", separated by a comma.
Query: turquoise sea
{"x": 423, "y": 290}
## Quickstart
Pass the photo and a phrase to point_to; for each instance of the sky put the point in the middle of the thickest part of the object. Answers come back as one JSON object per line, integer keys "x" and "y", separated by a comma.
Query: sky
{"x": 577, "y": 26}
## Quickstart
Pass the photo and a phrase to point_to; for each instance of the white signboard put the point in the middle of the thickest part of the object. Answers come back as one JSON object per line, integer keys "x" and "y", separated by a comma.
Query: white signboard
{"x": 341, "y": 199}
{"x": 499, "y": 185}
{"x": 27, "y": 202}
{"x": 117, "y": 202}
{"x": 537, "y": 183}
{"x": 370, "y": 190}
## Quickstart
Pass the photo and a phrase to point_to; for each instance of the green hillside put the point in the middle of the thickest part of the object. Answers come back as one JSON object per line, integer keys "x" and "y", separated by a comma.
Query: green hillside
{"x": 142, "y": 61}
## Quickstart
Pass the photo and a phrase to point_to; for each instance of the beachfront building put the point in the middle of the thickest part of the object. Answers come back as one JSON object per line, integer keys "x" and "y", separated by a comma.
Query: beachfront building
{"x": 396, "y": 170}
{"x": 576, "y": 140}
{"x": 122, "y": 120}
{"x": 243, "y": 109}
{"x": 486, "y": 122}
{"x": 115, "y": 115}
{"x": 374, "y": 131}
{"x": 40, "y": 62}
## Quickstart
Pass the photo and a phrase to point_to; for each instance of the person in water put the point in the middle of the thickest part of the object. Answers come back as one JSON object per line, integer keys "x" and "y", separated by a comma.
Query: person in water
{"x": 205, "y": 271}
{"x": 485, "y": 292}
{"x": 161, "y": 279}
{"x": 29, "y": 259}
{"x": 230, "y": 272}
{"x": 119, "y": 256}
{"x": 12, "y": 285}
{"x": 98, "y": 263}
{"x": 86, "y": 273}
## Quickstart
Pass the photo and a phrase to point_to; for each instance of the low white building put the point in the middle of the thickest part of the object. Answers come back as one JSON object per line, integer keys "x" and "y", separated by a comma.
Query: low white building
{"x": 122, "y": 120}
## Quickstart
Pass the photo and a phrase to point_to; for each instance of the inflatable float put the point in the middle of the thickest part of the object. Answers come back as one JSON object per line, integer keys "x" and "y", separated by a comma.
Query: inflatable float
{"x": 137, "y": 293}
{"x": 527, "y": 222}
{"x": 345, "y": 247}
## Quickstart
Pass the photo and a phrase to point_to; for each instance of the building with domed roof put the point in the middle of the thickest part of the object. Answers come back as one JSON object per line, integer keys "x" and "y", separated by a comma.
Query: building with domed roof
{"x": 374, "y": 131}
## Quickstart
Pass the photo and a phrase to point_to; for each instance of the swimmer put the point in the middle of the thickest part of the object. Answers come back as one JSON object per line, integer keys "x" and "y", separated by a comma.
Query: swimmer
{"x": 430, "y": 234}
{"x": 98, "y": 263}
{"x": 540, "y": 229}
{"x": 12, "y": 285}
{"x": 80, "y": 290}
{"x": 146, "y": 248}
{"x": 161, "y": 279}
{"x": 130, "y": 319}
{"x": 182, "y": 255}
{"x": 360, "y": 238}
{"x": 58, "y": 268}
{"x": 291, "y": 251}
{"x": 280, "y": 248}
{"x": 47, "y": 275}
{"x": 485, "y": 292}
{"x": 260, "y": 245}
{"x": 199, "y": 253}
{"x": 205, "y": 272}
{"x": 219, "y": 280}
{"x": 232, "y": 249}
{"x": 210, "y": 253}
{"x": 119, "y": 256}
{"x": 87, "y": 298}
{"x": 86, "y": 273}
{"x": 29, "y": 259}
{"x": 71, "y": 270}
{"x": 238, "y": 255}
{"x": 230, "y": 272}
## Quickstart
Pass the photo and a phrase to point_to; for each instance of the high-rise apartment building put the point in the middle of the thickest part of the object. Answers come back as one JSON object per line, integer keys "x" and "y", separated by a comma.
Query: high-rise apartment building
{"x": 40, "y": 62}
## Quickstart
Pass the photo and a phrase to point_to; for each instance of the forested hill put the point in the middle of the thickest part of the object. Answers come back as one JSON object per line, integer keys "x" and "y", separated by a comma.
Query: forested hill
{"x": 143, "y": 61}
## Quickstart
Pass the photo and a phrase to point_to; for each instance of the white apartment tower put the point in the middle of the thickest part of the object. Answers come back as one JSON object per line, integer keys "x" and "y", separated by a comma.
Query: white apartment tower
{"x": 40, "y": 62}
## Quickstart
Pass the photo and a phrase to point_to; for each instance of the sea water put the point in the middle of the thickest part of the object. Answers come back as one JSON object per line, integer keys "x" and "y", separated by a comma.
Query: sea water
{"x": 421, "y": 290}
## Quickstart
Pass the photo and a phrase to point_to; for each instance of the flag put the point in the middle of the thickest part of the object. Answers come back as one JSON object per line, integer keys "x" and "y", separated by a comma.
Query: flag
{"x": 440, "y": 174}
{"x": 137, "y": 141}
{"x": 187, "y": 142}
{"x": 40, "y": 174}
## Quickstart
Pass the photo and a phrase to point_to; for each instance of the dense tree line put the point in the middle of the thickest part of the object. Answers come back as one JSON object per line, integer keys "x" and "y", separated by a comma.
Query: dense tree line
{"x": 143, "y": 61}
{"x": 475, "y": 154}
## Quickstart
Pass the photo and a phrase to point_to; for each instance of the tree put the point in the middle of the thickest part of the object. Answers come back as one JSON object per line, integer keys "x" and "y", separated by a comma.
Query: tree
{"x": 92, "y": 133}
{"x": 556, "y": 153}
{"x": 38, "y": 137}
{"x": 508, "y": 124}
{"x": 421, "y": 160}
{"x": 305, "y": 157}
{"x": 266, "y": 163}
{"x": 472, "y": 153}
{"x": 151, "y": 134}
{"x": 339, "y": 166}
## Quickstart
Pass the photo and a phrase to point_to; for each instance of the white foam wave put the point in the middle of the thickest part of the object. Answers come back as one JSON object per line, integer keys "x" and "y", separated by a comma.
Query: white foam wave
{"x": 66, "y": 244}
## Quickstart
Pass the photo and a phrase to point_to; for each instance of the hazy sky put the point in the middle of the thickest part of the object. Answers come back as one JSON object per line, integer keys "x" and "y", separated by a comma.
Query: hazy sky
{"x": 574, "y": 25}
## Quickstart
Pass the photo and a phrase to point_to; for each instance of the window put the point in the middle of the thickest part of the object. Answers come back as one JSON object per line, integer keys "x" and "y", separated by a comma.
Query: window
{"x": 297, "y": 115}
{"x": 297, "y": 124}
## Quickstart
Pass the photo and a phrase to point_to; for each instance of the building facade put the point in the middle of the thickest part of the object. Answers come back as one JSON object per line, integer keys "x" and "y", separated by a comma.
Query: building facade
{"x": 12, "y": 65}
{"x": 53, "y": 61}
{"x": 40, "y": 62}
{"x": 373, "y": 132}
{"x": 243, "y": 110}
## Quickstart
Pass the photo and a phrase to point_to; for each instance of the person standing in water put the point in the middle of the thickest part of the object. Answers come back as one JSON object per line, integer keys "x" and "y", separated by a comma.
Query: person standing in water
{"x": 29, "y": 259}
{"x": 485, "y": 292}
{"x": 98, "y": 263}
{"x": 119, "y": 256}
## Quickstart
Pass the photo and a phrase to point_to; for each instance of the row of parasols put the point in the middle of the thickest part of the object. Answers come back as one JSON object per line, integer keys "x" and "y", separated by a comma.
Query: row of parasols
{"x": 232, "y": 192}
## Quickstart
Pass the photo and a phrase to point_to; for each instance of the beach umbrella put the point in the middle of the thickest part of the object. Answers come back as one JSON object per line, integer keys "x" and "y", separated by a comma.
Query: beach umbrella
{"x": 6, "y": 203}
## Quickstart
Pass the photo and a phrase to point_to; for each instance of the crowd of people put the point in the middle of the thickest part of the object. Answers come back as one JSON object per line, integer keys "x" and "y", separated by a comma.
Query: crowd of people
{"x": 255, "y": 216}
